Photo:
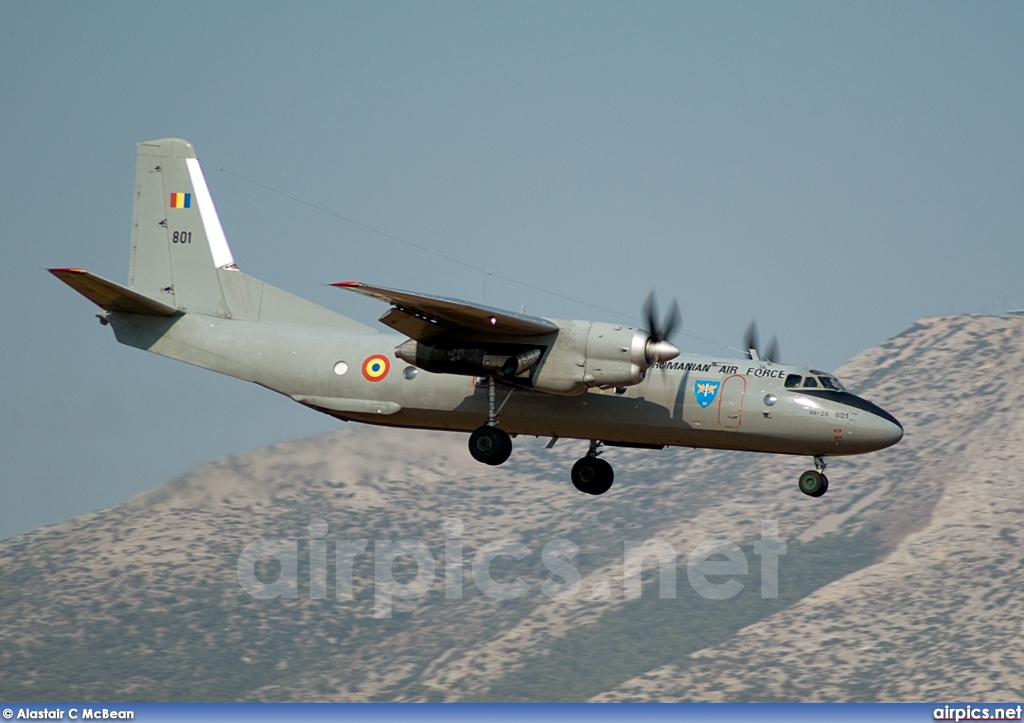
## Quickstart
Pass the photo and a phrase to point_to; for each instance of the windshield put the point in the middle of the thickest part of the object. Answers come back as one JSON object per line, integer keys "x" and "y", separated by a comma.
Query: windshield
{"x": 828, "y": 381}
{"x": 794, "y": 381}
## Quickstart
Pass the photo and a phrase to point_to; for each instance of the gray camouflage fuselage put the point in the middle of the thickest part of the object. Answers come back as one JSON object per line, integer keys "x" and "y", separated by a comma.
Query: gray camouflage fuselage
{"x": 300, "y": 361}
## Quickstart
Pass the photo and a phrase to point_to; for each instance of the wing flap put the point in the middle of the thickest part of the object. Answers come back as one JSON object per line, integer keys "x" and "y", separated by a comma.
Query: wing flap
{"x": 414, "y": 325}
{"x": 110, "y": 296}
{"x": 424, "y": 317}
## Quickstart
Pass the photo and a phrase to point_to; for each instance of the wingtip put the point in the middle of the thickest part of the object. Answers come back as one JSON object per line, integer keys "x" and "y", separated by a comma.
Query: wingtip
{"x": 347, "y": 284}
{"x": 67, "y": 270}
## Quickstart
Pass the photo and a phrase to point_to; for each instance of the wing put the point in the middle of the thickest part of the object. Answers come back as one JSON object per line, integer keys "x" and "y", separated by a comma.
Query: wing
{"x": 424, "y": 318}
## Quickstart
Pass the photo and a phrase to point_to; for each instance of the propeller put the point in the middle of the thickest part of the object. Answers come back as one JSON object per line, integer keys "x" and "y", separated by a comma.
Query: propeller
{"x": 771, "y": 355}
{"x": 658, "y": 348}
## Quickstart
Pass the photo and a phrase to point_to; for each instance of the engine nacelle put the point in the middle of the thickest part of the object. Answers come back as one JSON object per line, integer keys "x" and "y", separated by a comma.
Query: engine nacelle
{"x": 616, "y": 356}
{"x": 466, "y": 361}
{"x": 521, "y": 362}
{"x": 595, "y": 354}
{"x": 581, "y": 355}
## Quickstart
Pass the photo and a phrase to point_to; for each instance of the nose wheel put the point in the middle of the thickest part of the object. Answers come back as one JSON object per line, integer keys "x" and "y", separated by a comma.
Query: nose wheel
{"x": 591, "y": 474}
{"x": 813, "y": 482}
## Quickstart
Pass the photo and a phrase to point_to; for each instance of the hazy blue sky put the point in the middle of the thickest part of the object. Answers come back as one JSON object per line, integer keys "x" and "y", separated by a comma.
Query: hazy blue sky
{"x": 838, "y": 170}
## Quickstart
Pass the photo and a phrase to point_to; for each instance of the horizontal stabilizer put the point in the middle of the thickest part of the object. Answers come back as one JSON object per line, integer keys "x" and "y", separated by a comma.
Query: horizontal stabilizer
{"x": 112, "y": 297}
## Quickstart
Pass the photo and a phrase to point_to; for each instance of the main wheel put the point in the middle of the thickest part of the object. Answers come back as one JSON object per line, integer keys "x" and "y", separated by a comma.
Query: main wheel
{"x": 490, "y": 445}
{"x": 592, "y": 475}
{"x": 813, "y": 483}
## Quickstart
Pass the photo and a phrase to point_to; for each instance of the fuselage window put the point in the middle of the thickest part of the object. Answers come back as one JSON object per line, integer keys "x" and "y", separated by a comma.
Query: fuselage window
{"x": 810, "y": 382}
{"x": 793, "y": 381}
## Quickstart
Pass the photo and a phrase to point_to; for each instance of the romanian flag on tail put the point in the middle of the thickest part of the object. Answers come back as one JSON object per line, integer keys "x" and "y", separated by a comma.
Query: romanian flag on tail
{"x": 181, "y": 200}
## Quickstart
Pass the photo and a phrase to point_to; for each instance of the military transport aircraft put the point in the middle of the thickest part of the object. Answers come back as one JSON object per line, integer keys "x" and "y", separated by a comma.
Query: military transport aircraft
{"x": 456, "y": 365}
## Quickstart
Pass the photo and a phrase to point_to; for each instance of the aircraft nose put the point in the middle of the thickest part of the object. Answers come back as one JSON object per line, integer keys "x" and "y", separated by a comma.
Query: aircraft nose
{"x": 878, "y": 431}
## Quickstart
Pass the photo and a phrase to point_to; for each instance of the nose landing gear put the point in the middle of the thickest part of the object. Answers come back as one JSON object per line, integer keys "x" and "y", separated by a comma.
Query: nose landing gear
{"x": 813, "y": 482}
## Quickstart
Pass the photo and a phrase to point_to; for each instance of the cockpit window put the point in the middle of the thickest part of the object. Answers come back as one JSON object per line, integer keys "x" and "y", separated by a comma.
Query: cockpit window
{"x": 828, "y": 381}
{"x": 810, "y": 382}
{"x": 793, "y": 381}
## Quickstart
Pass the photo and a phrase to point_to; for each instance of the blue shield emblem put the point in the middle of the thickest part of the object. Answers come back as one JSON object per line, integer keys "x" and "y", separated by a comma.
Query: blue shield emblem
{"x": 705, "y": 391}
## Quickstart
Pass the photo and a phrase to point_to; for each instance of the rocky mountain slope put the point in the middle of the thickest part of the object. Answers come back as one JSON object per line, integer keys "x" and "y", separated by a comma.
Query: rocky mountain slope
{"x": 902, "y": 583}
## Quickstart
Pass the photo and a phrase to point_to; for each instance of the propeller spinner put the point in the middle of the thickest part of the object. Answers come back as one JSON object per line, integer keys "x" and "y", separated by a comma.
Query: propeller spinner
{"x": 658, "y": 348}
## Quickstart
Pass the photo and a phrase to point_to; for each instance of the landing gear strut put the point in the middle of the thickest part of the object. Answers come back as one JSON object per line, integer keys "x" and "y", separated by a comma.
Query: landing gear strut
{"x": 591, "y": 474}
{"x": 813, "y": 482}
{"x": 488, "y": 444}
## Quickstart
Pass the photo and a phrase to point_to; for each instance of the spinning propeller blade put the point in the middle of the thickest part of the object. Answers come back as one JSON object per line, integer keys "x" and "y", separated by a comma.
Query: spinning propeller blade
{"x": 753, "y": 348}
{"x": 750, "y": 341}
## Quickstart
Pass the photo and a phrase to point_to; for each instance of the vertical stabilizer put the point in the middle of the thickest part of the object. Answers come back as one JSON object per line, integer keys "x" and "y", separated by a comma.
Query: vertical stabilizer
{"x": 178, "y": 244}
{"x": 180, "y": 257}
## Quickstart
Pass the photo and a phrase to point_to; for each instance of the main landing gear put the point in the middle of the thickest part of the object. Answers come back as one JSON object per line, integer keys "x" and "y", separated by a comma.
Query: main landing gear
{"x": 493, "y": 446}
{"x": 813, "y": 482}
{"x": 488, "y": 444}
{"x": 591, "y": 474}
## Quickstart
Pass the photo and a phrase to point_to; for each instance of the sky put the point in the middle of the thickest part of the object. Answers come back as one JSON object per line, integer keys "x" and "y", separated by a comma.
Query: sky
{"x": 836, "y": 170}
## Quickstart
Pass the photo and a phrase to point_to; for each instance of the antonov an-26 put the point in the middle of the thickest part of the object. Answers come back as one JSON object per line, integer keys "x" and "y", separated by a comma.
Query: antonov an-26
{"x": 455, "y": 365}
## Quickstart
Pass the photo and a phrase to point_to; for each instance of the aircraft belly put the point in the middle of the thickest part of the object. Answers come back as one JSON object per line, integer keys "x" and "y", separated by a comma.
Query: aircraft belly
{"x": 658, "y": 413}
{"x": 356, "y": 377}
{"x": 604, "y": 416}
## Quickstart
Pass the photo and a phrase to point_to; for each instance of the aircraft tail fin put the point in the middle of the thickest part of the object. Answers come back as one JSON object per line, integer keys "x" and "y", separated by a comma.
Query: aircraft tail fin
{"x": 178, "y": 244}
{"x": 180, "y": 259}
